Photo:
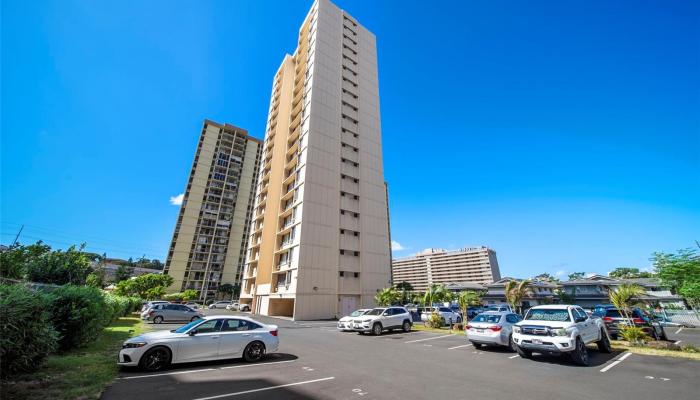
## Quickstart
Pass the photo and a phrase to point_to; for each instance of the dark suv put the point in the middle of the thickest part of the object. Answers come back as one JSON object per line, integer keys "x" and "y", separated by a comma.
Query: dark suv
{"x": 614, "y": 321}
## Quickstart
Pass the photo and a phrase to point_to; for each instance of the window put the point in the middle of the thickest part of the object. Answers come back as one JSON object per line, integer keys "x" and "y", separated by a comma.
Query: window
{"x": 342, "y": 252}
{"x": 356, "y": 274}
{"x": 238, "y": 325}
{"x": 342, "y": 273}
{"x": 212, "y": 325}
{"x": 512, "y": 318}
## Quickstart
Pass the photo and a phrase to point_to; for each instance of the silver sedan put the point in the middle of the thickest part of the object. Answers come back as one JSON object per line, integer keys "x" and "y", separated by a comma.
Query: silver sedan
{"x": 492, "y": 328}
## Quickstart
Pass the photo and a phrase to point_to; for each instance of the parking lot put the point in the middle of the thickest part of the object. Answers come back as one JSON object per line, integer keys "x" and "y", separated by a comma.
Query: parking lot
{"x": 318, "y": 362}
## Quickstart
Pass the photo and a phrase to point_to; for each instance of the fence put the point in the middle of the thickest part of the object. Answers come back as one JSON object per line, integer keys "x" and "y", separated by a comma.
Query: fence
{"x": 682, "y": 317}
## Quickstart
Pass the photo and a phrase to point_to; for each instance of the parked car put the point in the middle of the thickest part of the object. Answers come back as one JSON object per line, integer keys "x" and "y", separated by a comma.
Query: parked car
{"x": 499, "y": 308}
{"x": 160, "y": 313}
{"x": 492, "y": 328}
{"x": 212, "y": 338}
{"x": 192, "y": 305}
{"x": 219, "y": 304}
{"x": 345, "y": 323}
{"x": 448, "y": 315}
{"x": 380, "y": 319}
{"x": 562, "y": 329}
{"x": 233, "y": 306}
{"x": 615, "y": 321}
{"x": 149, "y": 304}
{"x": 474, "y": 311}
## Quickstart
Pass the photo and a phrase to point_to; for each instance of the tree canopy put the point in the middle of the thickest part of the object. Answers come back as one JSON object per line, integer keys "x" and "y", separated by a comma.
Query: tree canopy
{"x": 148, "y": 286}
{"x": 629, "y": 273}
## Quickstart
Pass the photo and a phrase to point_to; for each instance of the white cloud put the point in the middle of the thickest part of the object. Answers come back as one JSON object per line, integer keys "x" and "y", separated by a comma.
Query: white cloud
{"x": 396, "y": 246}
{"x": 177, "y": 200}
{"x": 560, "y": 273}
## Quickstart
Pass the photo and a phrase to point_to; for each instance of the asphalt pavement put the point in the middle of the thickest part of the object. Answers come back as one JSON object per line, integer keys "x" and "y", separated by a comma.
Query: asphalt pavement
{"x": 318, "y": 362}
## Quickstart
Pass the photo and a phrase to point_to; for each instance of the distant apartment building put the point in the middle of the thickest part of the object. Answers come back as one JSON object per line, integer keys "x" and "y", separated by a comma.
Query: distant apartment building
{"x": 439, "y": 266}
{"x": 209, "y": 243}
{"x": 319, "y": 246}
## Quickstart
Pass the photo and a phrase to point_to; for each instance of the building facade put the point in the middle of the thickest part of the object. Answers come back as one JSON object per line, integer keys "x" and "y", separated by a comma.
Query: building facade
{"x": 595, "y": 289}
{"x": 438, "y": 266}
{"x": 319, "y": 246}
{"x": 209, "y": 242}
{"x": 539, "y": 292}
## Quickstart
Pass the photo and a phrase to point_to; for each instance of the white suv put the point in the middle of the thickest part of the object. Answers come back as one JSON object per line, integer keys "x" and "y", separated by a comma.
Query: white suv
{"x": 562, "y": 329}
{"x": 448, "y": 315}
{"x": 383, "y": 318}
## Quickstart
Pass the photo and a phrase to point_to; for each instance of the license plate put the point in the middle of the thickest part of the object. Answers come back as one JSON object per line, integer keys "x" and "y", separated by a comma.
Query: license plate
{"x": 536, "y": 341}
{"x": 479, "y": 331}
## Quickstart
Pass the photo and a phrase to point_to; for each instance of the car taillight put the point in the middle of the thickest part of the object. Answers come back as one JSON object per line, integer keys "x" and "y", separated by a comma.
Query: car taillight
{"x": 495, "y": 328}
{"x": 607, "y": 319}
{"x": 151, "y": 313}
{"x": 468, "y": 327}
{"x": 637, "y": 320}
{"x": 273, "y": 333}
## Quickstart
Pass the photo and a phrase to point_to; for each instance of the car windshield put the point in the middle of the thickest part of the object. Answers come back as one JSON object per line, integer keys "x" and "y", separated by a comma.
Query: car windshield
{"x": 376, "y": 311}
{"x": 187, "y": 327}
{"x": 613, "y": 313}
{"x": 358, "y": 313}
{"x": 545, "y": 314}
{"x": 490, "y": 318}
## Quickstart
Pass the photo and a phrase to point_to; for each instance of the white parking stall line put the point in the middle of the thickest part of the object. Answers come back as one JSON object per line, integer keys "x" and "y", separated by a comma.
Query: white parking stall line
{"x": 204, "y": 370}
{"x": 459, "y": 347}
{"x": 614, "y": 363}
{"x": 265, "y": 388}
{"x": 677, "y": 342}
{"x": 512, "y": 357}
{"x": 430, "y": 338}
{"x": 679, "y": 330}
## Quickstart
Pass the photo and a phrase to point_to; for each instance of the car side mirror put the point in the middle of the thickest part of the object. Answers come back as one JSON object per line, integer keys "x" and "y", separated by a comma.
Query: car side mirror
{"x": 192, "y": 332}
{"x": 384, "y": 314}
{"x": 580, "y": 319}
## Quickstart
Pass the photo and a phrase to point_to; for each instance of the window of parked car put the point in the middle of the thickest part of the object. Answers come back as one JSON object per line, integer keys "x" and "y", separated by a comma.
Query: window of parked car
{"x": 376, "y": 311}
{"x": 445, "y": 309}
{"x": 187, "y": 327}
{"x": 512, "y": 318}
{"x": 238, "y": 325}
{"x": 579, "y": 313}
{"x": 211, "y": 325}
{"x": 490, "y": 318}
{"x": 548, "y": 314}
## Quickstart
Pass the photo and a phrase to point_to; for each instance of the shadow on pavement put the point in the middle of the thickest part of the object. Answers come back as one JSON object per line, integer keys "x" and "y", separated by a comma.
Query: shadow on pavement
{"x": 595, "y": 358}
{"x": 270, "y": 358}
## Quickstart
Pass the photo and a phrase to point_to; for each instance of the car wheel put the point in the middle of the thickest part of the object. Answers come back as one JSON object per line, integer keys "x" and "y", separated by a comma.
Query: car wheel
{"x": 377, "y": 329}
{"x": 255, "y": 351}
{"x": 406, "y": 326}
{"x": 580, "y": 354}
{"x": 604, "y": 343}
{"x": 511, "y": 344}
{"x": 155, "y": 359}
{"x": 158, "y": 320}
{"x": 194, "y": 318}
{"x": 523, "y": 353}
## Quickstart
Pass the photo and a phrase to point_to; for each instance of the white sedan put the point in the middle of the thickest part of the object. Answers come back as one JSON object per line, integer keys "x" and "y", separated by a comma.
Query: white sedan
{"x": 345, "y": 323}
{"x": 211, "y": 338}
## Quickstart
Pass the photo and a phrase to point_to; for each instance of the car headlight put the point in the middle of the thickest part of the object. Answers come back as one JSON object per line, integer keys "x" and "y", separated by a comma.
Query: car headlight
{"x": 133, "y": 345}
{"x": 559, "y": 332}
{"x": 516, "y": 329}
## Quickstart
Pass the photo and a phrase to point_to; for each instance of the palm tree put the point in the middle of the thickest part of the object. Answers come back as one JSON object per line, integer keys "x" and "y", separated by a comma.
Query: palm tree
{"x": 623, "y": 298}
{"x": 387, "y": 296}
{"x": 515, "y": 292}
{"x": 466, "y": 299}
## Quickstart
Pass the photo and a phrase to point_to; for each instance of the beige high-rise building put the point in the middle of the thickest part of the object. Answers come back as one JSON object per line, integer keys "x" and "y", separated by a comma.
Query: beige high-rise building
{"x": 319, "y": 246}
{"x": 209, "y": 243}
{"x": 438, "y": 266}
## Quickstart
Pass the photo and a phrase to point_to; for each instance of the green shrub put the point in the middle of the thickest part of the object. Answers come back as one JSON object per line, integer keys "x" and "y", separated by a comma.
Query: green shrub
{"x": 634, "y": 334}
{"x": 78, "y": 313}
{"x": 690, "y": 348}
{"x": 26, "y": 335}
{"x": 436, "y": 320}
{"x": 135, "y": 304}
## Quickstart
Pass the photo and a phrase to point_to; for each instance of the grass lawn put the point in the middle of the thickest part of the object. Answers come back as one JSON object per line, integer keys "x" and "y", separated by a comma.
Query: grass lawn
{"x": 80, "y": 373}
{"x": 419, "y": 326}
{"x": 622, "y": 346}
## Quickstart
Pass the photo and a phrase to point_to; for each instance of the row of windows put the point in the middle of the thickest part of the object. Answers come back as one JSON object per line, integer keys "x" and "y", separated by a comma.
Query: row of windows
{"x": 354, "y": 274}
{"x": 349, "y": 252}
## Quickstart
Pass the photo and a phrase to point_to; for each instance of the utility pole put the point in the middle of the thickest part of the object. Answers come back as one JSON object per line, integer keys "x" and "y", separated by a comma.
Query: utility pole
{"x": 17, "y": 237}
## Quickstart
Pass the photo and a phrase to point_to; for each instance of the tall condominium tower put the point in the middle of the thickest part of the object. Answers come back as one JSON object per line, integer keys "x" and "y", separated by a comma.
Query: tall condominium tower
{"x": 319, "y": 246}
{"x": 209, "y": 243}
{"x": 438, "y": 266}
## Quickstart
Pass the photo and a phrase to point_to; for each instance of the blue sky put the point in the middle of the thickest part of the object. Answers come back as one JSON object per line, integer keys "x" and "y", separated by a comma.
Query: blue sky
{"x": 565, "y": 135}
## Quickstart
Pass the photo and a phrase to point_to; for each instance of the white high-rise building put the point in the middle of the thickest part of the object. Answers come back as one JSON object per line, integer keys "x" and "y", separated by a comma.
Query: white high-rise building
{"x": 319, "y": 245}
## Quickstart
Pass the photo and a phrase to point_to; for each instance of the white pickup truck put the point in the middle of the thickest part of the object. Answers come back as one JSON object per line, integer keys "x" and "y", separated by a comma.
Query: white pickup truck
{"x": 562, "y": 329}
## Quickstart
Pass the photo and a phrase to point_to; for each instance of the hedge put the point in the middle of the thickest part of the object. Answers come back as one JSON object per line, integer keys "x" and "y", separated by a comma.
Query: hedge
{"x": 78, "y": 313}
{"x": 26, "y": 334}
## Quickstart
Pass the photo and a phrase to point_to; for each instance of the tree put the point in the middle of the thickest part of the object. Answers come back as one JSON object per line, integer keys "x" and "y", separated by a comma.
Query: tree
{"x": 576, "y": 275}
{"x": 95, "y": 279}
{"x": 691, "y": 293}
{"x": 405, "y": 288}
{"x": 59, "y": 267}
{"x": 515, "y": 292}
{"x": 148, "y": 286}
{"x": 566, "y": 297}
{"x": 387, "y": 296}
{"x": 436, "y": 294}
{"x": 190, "y": 294}
{"x": 14, "y": 260}
{"x": 465, "y": 299}
{"x": 226, "y": 289}
{"x": 675, "y": 270}
{"x": 545, "y": 277}
{"x": 629, "y": 273}
{"x": 624, "y": 297}
{"x": 123, "y": 273}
